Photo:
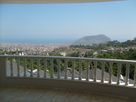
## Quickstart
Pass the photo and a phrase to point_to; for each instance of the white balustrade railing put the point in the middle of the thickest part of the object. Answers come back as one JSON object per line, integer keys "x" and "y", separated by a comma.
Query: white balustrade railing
{"x": 105, "y": 71}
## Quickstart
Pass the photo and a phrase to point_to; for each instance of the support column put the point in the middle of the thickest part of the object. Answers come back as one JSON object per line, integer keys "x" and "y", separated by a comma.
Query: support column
{"x": 2, "y": 69}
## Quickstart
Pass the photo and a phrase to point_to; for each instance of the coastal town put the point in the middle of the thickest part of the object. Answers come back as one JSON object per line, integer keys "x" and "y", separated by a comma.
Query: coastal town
{"x": 26, "y": 49}
{"x": 63, "y": 50}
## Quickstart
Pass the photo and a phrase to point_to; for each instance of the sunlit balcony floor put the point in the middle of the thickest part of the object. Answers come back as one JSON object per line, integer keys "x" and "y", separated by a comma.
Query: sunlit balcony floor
{"x": 51, "y": 95}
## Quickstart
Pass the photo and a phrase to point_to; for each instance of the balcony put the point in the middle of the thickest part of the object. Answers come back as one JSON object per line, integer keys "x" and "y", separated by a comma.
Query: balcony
{"x": 53, "y": 78}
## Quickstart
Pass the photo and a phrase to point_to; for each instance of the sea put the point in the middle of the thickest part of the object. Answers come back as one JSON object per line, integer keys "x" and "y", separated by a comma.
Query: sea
{"x": 38, "y": 41}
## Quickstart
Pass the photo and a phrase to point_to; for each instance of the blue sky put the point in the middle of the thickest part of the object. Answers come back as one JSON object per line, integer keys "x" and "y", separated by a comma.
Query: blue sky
{"x": 68, "y": 21}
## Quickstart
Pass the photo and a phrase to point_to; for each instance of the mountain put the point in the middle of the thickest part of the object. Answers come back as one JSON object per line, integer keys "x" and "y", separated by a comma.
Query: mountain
{"x": 94, "y": 39}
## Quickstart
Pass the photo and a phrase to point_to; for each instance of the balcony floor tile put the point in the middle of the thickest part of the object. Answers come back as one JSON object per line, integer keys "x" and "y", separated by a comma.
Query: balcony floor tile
{"x": 51, "y": 95}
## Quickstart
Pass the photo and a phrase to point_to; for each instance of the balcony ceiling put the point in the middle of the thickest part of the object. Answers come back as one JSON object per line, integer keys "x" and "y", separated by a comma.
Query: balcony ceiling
{"x": 51, "y": 1}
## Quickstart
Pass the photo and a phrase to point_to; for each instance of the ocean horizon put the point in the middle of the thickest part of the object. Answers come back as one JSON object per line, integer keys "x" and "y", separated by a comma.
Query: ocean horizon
{"x": 44, "y": 41}
{"x": 38, "y": 41}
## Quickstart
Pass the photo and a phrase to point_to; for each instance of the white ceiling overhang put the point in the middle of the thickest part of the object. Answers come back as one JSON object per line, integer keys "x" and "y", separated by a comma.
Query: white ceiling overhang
{"x": 51, "y": 1}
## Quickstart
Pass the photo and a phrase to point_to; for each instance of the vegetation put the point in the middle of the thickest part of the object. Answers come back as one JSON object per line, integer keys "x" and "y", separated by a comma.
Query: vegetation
{"x": 127, "y": 43}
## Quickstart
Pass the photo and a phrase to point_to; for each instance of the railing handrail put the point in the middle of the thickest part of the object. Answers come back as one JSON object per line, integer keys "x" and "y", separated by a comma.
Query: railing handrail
{"x": 69, "y": 72}
{"x": 77, "y": 64}
{"x": 74, "y": 58}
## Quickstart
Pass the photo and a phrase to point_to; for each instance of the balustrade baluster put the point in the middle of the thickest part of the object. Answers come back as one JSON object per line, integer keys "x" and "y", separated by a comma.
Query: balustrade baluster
{"x": 135, "y": 75}
{"x": 87, "y": 70}
{"x": 58, "y": 68}
{"x": 11, "y": 67}
{"x": 31, "y": 74}
{"x": 52, "y": 68}
{"x": 25, "y": 66}
{"x": 66, "y": 66}
{"x": 73, "y": 69}
{"x": 45, "y": 68}
{"x": 127, "y": 74}
{"x": 103, "y": 70}
{"x": 95, "y": 68}
{"x": 80, "y": 69}
{"x": 110, "y": 73}
{"x": 38, "y": 68}
{"x": 18, "y": 66}
{"x": 119, "y": 65}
